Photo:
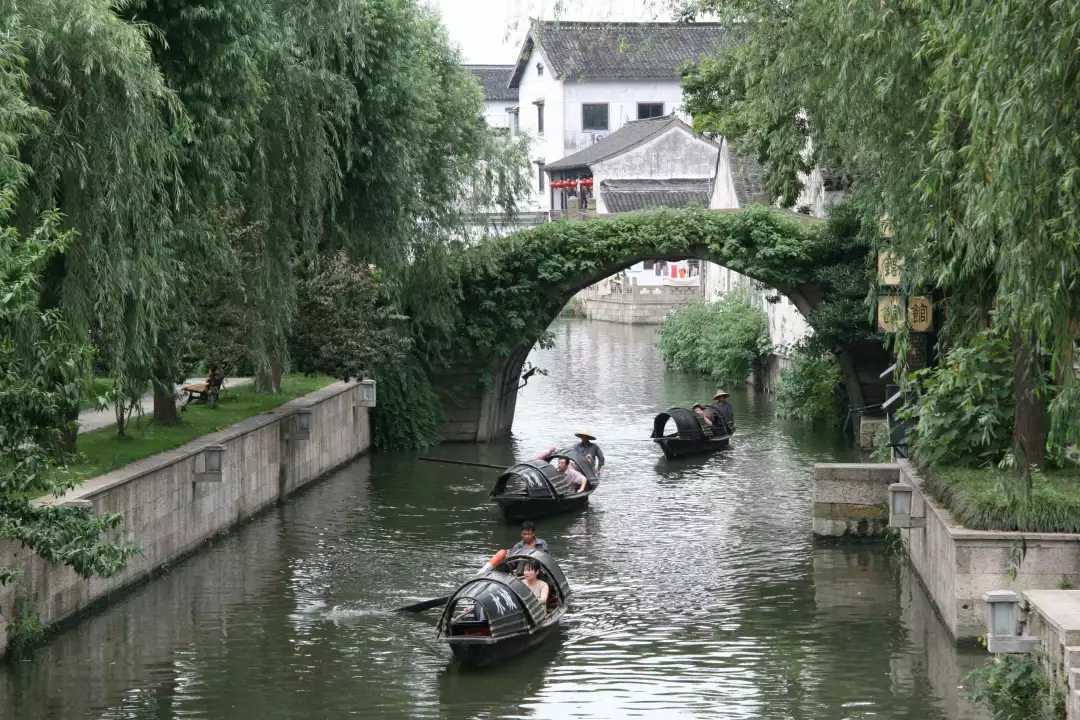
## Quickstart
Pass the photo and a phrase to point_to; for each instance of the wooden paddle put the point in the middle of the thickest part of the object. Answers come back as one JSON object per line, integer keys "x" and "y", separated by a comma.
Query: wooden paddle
{"x": 462, "y": 462}
{"x": 436, "y": 602}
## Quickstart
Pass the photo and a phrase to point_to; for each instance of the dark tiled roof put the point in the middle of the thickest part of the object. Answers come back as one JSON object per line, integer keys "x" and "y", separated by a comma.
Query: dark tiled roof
{"x": 494, "y": 79}
{"x": 748, "y": 177}
{"x": 629, "y": 195}
{"x": 621, "y": 51}
{"x": 628, "y": 136}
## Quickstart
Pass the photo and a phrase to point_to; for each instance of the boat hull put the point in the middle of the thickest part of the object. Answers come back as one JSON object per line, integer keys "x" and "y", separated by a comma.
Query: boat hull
{"x": 517, "y": 508}
{"x": 675, "y": 447}
{"x": 472, "y": 653}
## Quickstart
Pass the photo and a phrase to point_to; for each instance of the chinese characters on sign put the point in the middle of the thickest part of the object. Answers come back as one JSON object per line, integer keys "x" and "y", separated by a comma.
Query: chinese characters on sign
{"x": 920, "y": 314}
{"x": 889, "y": 266}
{"x": 890, "y": 313}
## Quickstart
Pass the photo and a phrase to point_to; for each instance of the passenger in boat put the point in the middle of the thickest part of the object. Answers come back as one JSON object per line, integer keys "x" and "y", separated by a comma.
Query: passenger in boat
{"x": 539, "y": 587}
{"x": 590, "y": 449}
{"x": 704, "y": 417}
{"x": 727, "y": 412}
{"x": 529, "y": 541}
{"x": 577, "y": 481}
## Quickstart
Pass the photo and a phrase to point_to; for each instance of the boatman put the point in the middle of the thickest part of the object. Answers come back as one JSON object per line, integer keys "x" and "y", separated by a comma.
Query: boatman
{"x": 727, "y": 412}
{"x": 529, "y": 541}
{"x": 590, "y": 449}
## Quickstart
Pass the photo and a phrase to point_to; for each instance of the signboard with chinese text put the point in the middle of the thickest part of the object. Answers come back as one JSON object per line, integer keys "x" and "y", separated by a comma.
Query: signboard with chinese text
{"x": 920, "y": 314}
{"x": 889, "y": 267}
{"x": 890, "y": 313}
{"x": 916, "y": 356}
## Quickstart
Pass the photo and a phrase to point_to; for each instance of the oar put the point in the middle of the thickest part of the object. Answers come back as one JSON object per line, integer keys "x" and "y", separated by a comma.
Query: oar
{"x": 436, "y": 602}
{"x": 462, "y": 462}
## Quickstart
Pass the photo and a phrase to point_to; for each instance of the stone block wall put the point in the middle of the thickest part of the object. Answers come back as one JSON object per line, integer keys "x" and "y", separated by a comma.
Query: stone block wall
{"x": 852, "y": 499}
{"x": 1054, "y": 617}
{"x": 169, "y": 513}
{"x": 958, "y": 566}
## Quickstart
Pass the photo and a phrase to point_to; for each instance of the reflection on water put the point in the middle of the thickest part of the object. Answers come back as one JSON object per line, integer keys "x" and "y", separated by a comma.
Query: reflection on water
{"x": 698, "y": 590}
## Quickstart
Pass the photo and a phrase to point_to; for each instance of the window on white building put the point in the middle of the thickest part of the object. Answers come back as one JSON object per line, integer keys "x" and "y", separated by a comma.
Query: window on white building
{"x": 540, "y": 178}
{"x": 539, "y": 69}
{"x": 539, "y": 118}
{"x": 649, "y": 110}
{"x": 514, "y": 127}
{"x": 594, "y": 116}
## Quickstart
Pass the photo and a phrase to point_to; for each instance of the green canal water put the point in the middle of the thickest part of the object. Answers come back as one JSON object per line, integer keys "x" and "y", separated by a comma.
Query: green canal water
{"x": 699, "y": 591}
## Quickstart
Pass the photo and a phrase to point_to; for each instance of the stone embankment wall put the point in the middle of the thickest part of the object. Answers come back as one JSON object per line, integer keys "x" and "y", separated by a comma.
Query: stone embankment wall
{"x": 169, "y": 511}
{"x": 1054, "y": 617}
{"x": 852, "y": 499}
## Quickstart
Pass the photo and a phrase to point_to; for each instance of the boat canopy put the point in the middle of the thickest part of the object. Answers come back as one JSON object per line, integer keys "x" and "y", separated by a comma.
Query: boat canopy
{"x": 686, "y": 423}
{"x": 541, "y": 479}
{"x": 509, "y": 606}
{"x": 553, "y": 572}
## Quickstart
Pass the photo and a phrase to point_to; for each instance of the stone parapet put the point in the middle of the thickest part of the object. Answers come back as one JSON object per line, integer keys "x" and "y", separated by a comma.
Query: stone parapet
{"x": 851, "y": 499}
{"x": 169, "y": 509}
{"x": 958, "y": 566}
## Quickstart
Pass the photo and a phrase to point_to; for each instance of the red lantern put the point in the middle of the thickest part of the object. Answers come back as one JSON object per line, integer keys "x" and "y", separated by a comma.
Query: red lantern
{"x": 557, "y": 184}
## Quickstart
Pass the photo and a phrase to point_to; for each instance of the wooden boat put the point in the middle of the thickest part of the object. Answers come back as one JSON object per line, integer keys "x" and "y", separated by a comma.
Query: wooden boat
{"x": 690, "y": 436}
{"x": 495, "y": 615}
{"x": 535, "y": 489}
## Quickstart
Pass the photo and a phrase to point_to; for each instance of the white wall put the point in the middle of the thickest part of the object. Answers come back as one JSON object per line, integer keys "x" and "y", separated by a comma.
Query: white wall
{"x": 786, "y": 324}
{"x": 547, "y": 147}
{"x": 675, "y": 154}
{"x": 622, "y": 98}
{"x": 495, "y": 113}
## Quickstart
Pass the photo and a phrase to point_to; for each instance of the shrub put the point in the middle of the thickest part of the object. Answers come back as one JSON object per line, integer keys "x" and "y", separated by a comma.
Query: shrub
{"x": 725, "y": 339}
{"x": 407, "y": 414}
{"x": 805, "y": 391}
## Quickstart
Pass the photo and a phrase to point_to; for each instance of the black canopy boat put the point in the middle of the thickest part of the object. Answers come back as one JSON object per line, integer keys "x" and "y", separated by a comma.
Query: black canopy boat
{"x": 535, "y": 489}
{"x": 495, "y": 615}
{"x": 691, "y": 437}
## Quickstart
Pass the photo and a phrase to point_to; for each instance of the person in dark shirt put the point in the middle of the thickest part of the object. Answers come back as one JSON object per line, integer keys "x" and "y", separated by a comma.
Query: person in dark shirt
{"x": 727, "y": 412}
{"x": 590, "y": 449}
{"x": 529, "y": 540}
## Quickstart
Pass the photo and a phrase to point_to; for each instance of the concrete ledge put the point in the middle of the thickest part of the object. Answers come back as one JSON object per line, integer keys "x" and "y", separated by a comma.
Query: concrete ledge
{"x": 169, "y": 514}
{"x": 851, "y": 499}
{"x": 958, "y": 565}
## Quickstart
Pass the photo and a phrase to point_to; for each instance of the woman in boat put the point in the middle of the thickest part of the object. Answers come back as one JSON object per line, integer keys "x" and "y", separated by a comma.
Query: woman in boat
{"x": 532, "y": 580}
{"x": 726, "y": 418}
{"x": 589, "y": 448}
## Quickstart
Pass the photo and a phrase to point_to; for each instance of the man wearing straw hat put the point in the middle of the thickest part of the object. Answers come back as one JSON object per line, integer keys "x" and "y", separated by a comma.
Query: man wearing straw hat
{"x": 727, "y": 412}
{"x": 589, "y": 448}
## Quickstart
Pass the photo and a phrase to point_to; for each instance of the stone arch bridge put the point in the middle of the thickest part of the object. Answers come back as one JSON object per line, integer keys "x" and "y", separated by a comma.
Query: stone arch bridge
{"x": 531, "y": 275}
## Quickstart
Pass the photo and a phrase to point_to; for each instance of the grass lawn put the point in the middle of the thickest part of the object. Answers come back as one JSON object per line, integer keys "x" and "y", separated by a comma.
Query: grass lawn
{"x": 98, "y": 387}
{"x": 978, "y": 499}
{"x": 101, "y": 450}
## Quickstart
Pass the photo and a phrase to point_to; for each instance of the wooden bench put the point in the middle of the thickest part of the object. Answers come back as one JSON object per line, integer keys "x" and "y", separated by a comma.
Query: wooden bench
{"x": 207, "y": 391}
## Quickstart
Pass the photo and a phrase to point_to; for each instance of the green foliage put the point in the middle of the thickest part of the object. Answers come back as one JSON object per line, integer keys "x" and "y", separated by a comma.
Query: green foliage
{"x": 986, "y": 499}
{"x": 25, "y": 628}
{"x": 805, "y": 391}
{"x": 964, "y": 412}
{"x": 509, "y": 289}
{"x": 726, "y": 339}
{"x": 43, "y": 369}
{"x": 408, "y": 412}
{"x": 1018, "y": 687}
{"x": 955, "y": 121}
{"x": 343, "y": 326}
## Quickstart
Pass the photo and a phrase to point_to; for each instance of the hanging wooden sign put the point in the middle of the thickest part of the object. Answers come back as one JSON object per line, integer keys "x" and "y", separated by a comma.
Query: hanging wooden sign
{"x": 889, "y": 266}
{"x": 890, "y": 313}
{"x": 916, "y": 356}
{"x": 920, "y": 314}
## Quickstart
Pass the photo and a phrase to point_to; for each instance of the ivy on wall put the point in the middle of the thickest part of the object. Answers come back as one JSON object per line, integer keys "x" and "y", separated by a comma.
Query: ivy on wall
{"x": 509, "y": 289}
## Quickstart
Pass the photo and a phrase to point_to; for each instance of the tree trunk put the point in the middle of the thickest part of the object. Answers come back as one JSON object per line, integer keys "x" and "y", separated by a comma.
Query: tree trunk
{"x": 269, "y": 380}
{"x": 1029, "y": 431}
{"x": 165, "y": 412}
{"x": 70, "y": 431}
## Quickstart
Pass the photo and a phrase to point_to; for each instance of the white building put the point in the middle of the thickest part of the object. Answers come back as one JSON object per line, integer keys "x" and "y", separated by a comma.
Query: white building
{"x": 579, "y": 81}
{"x": 499, "y": 99}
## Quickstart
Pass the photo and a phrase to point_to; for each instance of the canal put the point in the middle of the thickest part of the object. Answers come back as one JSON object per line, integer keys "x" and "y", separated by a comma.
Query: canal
{"x": 699, "y": 592}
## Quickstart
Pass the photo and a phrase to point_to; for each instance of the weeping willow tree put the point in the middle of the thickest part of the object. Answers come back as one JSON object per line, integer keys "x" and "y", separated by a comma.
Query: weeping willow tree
{"x": 957, "y": 122}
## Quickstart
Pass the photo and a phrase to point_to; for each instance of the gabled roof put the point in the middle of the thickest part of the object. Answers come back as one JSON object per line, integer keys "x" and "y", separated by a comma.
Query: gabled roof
{"x": 620, "y": 51}
{"x": 629, "y": 195}
{"x": 494, "y": 79}
{"x": 627, "y": 137}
